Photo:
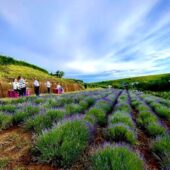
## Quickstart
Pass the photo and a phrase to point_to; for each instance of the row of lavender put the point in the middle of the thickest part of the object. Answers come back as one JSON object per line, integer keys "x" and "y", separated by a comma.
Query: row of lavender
{"x": 121, "y": 135}
{"x": 69, "y": 138}
{"x": 31, "y": 108}
{"x": 149, "y": 110}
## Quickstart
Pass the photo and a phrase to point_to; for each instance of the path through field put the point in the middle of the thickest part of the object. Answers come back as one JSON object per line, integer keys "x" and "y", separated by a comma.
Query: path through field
{"x": 15, "y": 146}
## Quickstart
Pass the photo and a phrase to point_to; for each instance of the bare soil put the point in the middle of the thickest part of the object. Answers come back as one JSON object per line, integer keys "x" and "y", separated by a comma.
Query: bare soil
{"x": 15, "y": 149}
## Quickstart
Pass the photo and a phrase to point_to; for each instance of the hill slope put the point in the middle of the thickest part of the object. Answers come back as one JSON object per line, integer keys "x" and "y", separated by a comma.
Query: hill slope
{"x": 11, "y": 70}
{"x": 158, "y": 82}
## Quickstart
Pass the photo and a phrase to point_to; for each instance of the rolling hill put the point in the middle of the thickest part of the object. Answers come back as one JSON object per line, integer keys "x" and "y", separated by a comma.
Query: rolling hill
{"x": 11, "y": 68}
{"x": 159, "y": 82}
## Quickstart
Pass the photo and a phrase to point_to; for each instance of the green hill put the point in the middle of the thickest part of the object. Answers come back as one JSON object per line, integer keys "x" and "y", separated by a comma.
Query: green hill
{"x": 11, "y": 68}
{"x": 160, "y": 82}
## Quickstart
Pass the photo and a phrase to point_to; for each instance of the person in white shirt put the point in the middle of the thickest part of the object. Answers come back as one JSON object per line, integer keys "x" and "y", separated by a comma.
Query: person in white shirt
{"x": 48, "y": 85}
{"x": 22, "y": 86}
{"x": 36, "y": 87}
{"x": 15, "y": 85}
{"x": 58, "y": 86}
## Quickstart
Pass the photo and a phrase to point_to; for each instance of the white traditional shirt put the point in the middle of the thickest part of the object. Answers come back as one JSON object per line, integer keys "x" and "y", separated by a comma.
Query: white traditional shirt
{"x": 48, "y": 84}
{"x": 15, "y": 85}
{"x": 36, "y": 83}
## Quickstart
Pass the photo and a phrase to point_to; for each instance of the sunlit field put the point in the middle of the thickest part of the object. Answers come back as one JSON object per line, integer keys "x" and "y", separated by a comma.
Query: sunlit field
{"x": 97, "y": 130}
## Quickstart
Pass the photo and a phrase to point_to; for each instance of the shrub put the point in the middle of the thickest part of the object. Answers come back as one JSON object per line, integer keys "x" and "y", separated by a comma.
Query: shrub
{"x": 163, "y": 112}
{"x": 32, "y": 110}
{"x": 63, "y": 144}
{"x": 84, "y": 105}
{"x": 144, "y": 118}
{"x": 122, "y": 133}
{"x": 99, "y": 115}
{"x": 154, "y": 129}
{"x": 73, "y": 108}
{"x": 105, "y": 106}
{"x": 116, "y": 158}
{"x": 121, "y": 117}
{"x": 161, "y": 149}
{"x": 39, "y": 100}
{"x": 40, "y": 122}
{"x": 8, "y": 108}
{"x": 20, "y": 116}
{"x": 123, "y": 107}
{"x": 5, "y": 121}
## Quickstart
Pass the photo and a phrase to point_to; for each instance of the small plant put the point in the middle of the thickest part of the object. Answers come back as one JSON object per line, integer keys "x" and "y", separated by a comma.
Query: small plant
{"x": 20, "y": 116}
{"x": 116, "y": 158}
{"x": 121, "y": 133}
{"x": 73, "y": 108}
{"x": 63, "y": 144}
{"x": 121, "y": 117}
{"x": 40, "y": 122}
{"x": 163, "y": 112}
{"x": 3, "y": 163}
{"x": 161, "y": 150}
{"x": 154, "y": 129}
{"x": 99, "y": 115}
{"x": 5, "y": 121}
{"x": 145, "y": 118}
{"x": 8, "y": 108}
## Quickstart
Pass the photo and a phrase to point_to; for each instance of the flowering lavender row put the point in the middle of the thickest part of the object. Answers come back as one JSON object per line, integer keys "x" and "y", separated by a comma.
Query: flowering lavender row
{"x": 98, "y": 113}
{"x": 121, "y": 127}
{"x": 160, "y": 106}
{"x": 146, "y": 119}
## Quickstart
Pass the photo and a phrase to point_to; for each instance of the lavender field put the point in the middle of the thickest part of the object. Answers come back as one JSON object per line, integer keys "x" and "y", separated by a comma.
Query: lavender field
{"x": 108, "y": 129}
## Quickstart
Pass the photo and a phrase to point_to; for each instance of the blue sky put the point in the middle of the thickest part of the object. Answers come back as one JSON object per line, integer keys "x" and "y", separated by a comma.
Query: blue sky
{"x": 92, "y": 40}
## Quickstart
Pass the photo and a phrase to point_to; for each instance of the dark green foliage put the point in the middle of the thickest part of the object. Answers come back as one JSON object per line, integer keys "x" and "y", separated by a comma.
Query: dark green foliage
{"x": 154, "y": 129}
{"x": 161, "y": 149}
{"x": 121, "y": 117}
{"x": 144, "y": 118}
{"x": 73, "y": 108}
{"x": 64, "y": 144}
{"x": 121, "y": 133}
{"x": 8, "y": 108}
{"x": 99, "y": 115}
{"x": 116, "y": 158}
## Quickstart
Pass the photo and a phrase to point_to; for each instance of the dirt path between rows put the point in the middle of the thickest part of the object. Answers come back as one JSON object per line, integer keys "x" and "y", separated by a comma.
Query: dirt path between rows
{"x": 15, "y": 147}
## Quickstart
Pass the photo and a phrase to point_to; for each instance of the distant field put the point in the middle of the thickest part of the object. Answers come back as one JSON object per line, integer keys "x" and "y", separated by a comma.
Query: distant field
{"x": 107, "y": 129}
{"x": 159, "y": 82}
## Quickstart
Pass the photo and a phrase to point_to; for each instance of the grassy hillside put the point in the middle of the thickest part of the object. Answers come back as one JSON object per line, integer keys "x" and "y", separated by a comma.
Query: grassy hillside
{"x": 158, "y": 82}
{"x": 10, "y": 71}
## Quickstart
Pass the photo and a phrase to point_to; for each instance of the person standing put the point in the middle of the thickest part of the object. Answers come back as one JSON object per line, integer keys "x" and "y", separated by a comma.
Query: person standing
{"x": 15, "y": 85}
{"x": 22, "y": 86}
{"x": 48, "y": 85}
{"x": 36, "y": 87}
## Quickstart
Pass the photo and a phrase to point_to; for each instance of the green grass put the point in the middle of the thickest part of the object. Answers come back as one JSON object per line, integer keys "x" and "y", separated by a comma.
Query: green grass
{"x": 116, "y": 158}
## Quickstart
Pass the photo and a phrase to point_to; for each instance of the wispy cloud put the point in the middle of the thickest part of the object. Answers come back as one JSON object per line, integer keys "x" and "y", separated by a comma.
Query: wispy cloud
{"x": 88, "y": 39}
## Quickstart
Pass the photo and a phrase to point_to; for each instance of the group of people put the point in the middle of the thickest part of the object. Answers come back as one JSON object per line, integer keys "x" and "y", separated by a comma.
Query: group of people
{"x": 19, "y": 85}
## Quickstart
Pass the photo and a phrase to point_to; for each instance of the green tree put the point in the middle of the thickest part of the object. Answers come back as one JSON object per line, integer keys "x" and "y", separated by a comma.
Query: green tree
{"x": 59, "y": 74}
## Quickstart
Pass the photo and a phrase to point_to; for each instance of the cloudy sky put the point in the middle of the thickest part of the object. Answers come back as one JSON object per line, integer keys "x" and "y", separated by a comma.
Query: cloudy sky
{"x": 92, "y": 40}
